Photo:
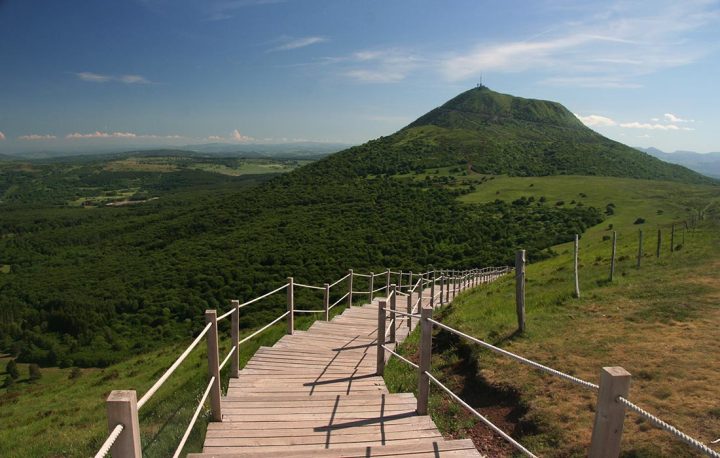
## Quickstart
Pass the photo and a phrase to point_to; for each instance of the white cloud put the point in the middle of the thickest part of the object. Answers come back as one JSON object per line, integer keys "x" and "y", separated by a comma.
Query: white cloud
{"x": 215, "y": 138}
{"x": 99, "y": 78}
{"x": 389, "y": 65}
{"x": 238, "y": 137}
{"x": 596, "y": 120}
{"x": 2, "y": 136}
{"x": 94, "y": 77}
{"x": 32, "y": 137}
{"x": 648, "y": 126}
{"x": 99, "y": 134}
{"x": 299, "y": 43}
{"x": 620, "y": 42}
{"x": 676, "y": 119}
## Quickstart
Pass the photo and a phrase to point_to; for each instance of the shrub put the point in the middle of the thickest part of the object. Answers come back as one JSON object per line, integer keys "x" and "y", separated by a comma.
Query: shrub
{"x": 12, "y": 369}
{"x": 639, "y": 221}
{"x": 605, "y": 238}
{"x": 34, "y": 372}
{"x": 560, "y": 203}
{"x": 75, "y": 373}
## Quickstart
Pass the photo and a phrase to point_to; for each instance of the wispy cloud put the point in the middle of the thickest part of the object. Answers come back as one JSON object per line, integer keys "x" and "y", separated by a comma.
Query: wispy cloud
{"x": 126, "y": 135}
{"x": 99, "y": 78}
{"x": 603, "y": 121}
{"x": 225, "y": 9}
{"x": 297, "y": 43}
{"x": 2, "y": 136}
{"x": 33, "y": 137}
{"x": 672, "y": 118}
{"x": 621, "y": 42}
{"x": 390, "y": 65}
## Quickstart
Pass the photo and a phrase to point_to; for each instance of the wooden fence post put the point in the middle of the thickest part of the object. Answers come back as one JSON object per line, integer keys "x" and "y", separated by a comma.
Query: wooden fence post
{"x": 350, "y": 287}
{"x": 442, "y": 288}
{"x": 448, "y": 281}
{"x": 387, "y": 283}
{"x": 640, "y": 248}
{"x": 213, "y": 364}
{"x": 425, "y": 356}
{"x": 520, "y": 289}
{"x": 657, "y": 253}
{"x": 454, "y": 284}
{"x": 372, "y": 285}
{"x": 235, "y": 337}
{"x": 393, "y": 315}
{"x": 577, "y": 278}
{"x": 609, "y": 413}
{"x": 672, "y": 239}
{"x": 400, "y": 281}
{"x": 326, "y": 301}
{"x": 291, "y": 306}
{"x": 122, "y": 410}
{"x": 409, "y": 306}
{"x": 432, "y": 290}
{"x": 612, "y": 256}
{"x": 381, "y": 338}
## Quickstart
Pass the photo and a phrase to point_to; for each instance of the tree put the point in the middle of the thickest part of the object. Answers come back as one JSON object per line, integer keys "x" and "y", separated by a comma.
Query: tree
{"x": 12, "y": 370}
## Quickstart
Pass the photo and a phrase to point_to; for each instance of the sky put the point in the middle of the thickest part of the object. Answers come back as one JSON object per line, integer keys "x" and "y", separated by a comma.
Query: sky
{"x": 110, "y": 74}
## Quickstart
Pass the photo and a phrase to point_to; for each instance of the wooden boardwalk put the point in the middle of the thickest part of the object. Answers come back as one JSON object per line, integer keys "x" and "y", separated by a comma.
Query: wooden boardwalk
{"x": 315, "y": 393}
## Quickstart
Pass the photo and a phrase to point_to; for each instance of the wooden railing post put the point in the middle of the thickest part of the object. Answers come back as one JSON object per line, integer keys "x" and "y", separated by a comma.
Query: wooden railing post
{"x": 291, "y": 306}
{"x": 387, "y": 283}
{"x": 442, "y": 288}
{"x": 577, "y": 278}
{"x": 454, "y": 284}
{"x": 640, "y": 248}
{"x": 612, "y": 256}
{"x": 122, "y": 410}
{"x": 409, "y": 306}
{"x": 425, "y": 357}
{"x": 432, "y": 291}
{"x": 448, "y": 280}
{"x": 350, "y": 287}
{"x": 520, "y": 289}
{"x": 326, "y": 301}
{"x": 400, "y": 281}
{"x": 372, "y": 285}
{"x": 235, "y": 338}
{"x": 381, "y": 338}
{"x": 393, "y": 315}
{"x": 609, "y": 413}
{"x": 213, "y": 365}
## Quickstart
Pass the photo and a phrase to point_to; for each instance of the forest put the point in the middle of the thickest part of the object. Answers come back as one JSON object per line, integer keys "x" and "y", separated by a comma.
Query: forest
{"x": 93, "y": 286}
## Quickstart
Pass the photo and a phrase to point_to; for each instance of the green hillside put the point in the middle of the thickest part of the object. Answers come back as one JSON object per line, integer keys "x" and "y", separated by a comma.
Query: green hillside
{"x": 495, "y": 133}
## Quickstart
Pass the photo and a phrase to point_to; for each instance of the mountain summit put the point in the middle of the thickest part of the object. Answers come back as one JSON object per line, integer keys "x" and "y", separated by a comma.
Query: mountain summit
{"x": 497, "y": 134}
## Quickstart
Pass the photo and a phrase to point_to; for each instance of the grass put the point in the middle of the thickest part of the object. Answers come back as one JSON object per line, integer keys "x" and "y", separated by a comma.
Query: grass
{"x": 659, "y": 322}
{"x": 63, "y": 413}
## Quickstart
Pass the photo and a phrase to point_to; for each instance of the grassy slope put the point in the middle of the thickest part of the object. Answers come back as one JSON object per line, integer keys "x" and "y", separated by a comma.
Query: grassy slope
{"x": 659, "y": 322}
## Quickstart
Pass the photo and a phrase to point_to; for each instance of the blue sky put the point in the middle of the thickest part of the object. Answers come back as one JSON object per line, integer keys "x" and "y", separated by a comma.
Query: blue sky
{"x": 84, "y": 74}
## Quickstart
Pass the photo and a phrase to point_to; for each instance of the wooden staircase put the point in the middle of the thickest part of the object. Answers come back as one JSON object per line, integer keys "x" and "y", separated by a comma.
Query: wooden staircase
{"x": 315, "y": 393}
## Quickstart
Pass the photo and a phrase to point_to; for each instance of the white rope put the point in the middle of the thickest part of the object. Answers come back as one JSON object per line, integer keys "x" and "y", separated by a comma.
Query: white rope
{"x": 308, "y": 311}
{"x": 227, "y": 358}
{"x": 519, "y": 358}
{"x": 194, "y": 418}
{"x": 482, "y": 418}
{"x": 338, "y": 301}
{"x": 379, "y": 289}
{"x": 389, "y": 327}
{"x": 344, "y": 278}
{"x": 403, "y": 359}
{"x": 669, "y": 428}
{"x": 309, "y": 286}
{"x": 360, "y": 275}
{"x": 146, "y": 397}
{"x": 225, "y": 315}
{"x": 404, "y": 313}
{"x": 263, "y": 296}
{"x": 264, "y": 327}
{"x": 107, "y": 445}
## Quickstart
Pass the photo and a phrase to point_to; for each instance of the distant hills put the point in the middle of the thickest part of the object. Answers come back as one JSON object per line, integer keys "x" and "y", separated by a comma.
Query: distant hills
{"x": 705, "y": 163}
{"x": 497, "y": 133}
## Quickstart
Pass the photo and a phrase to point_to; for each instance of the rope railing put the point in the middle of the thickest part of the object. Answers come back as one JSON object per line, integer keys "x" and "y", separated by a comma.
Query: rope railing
{"x": 225, "y": 315}
{"x": 309, "y": 286}
{"x": 482, "y": 418}
{"x": 308, "y": 311}
{"x": 361, "y": 275}
{"x": 340, "y": 280}
{"x": 518, "y": 358}
{"x": 390, "y": 327}
{"x": 146, "y": 397}
{"x": 194, "y": 418}
{"x": 379, "y": 289}
{"x": 400, "y": 357}
{"x": 265, "y": 327}
{"x": 227, "y": 358}
{"x": 252, "y": 301}
{"x": 668, "y": 428}
{"x": 107, "y": 445}
{"x": 339, "y": 300}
